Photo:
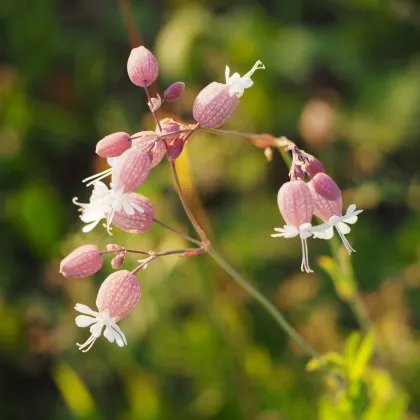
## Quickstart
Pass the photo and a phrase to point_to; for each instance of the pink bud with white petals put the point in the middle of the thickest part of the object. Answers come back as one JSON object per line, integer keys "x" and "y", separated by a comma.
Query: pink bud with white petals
{"x": 113, "y": 145}
{"x": 119, "y": 294}
{"x": 142, "y": 67}
{"x": 147, "y": 141}
{"x": 174, "y": 91}
{"x": 214, "y": 105}
{"x": 131, "y": 170}
{"x": 295, "y": 203}
{"x": 137, "y": 222}
{"x": 326, "y": 196}
{"x": 82, "y": 262}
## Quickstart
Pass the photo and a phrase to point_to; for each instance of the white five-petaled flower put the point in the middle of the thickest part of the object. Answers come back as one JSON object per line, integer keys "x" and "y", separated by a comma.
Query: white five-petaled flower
{"x": 326, "y": 230}
{"x": 304, "y": 231}
{"x": 103, "y": 204}
{"x": 238, "y": 84}
{"x": 97, "y": 321}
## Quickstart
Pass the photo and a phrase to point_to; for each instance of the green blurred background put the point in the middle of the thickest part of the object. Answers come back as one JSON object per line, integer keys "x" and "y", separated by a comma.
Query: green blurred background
{"x": 342, "y": 78}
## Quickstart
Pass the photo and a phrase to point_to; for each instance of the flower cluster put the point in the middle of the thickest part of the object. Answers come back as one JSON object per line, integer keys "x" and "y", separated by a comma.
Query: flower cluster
{"x": 130, "y": 159}
{"x": 299, "y": 201}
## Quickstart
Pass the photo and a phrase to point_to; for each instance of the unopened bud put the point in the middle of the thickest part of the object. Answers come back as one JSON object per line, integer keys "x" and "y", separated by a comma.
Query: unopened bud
{"x": 214, "y": 105}
{"x": 295, "y": 203}
{"x": 113, "y": 145}
{"x": 82, "y": 262}
{"x": 326, "y": 196}
{"x": 147, "y": 141}
{"x": 136, "y": 222}
{"x": 268, "y": 153}
{"x": 174, "y": 91}
{"x": 113, "y": 247}
{"x": 313, "y": 167}
{"x": 119, "y": 294}
{"x": 118, "y": 260}
{"x": 142, "y": 67}
{"x": 175, "y": 148}
{"x": 131, "y": 170}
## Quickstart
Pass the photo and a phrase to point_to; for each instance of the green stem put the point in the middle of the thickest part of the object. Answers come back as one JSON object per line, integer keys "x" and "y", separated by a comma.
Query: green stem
{"x": 264, "y": 302}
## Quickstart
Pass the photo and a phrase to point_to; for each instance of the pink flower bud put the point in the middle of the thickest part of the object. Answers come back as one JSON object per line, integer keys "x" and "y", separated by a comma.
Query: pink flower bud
{"x": 170, "y": 126}
{"x": 326, "y": 196}
{"x": 119, "y": 294}
{"x": 295, "y": 203}
{"x": 113, "y": 145}
{"x": 146, "y": 141}
{"x": 313, "y": 167}
{"x": 175, "y": 148}
{"x": 142, "y": 67}
{"x": 82, "y": 262}
{"x": 131, "y": 170}
{"x": 118, "y": 260}
{"x": 214, "y": 105}
{"x": 174, "y": 91}
{"x": 136, "y": 222}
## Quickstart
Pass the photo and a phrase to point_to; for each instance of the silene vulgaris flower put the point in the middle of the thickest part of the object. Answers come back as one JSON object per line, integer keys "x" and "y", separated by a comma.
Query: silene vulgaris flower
{"x": 296, "y": 206}
{"x": 104, "y": 203}
{"x": 328, "y": 206}
{"x": 117, "y": 297}
{"x": 97, "y": 321}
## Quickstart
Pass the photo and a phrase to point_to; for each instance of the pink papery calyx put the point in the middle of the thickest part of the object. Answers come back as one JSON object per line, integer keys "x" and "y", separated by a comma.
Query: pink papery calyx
{"x": 296, "y": 206}
{"x": 174, "y": 91}
{"x": 117, "y": 297}
{"x": 84, "y": 261}
{"x": 131, "y": 170}
{"x": 148, "y": 141}
{"x": 113, "y": 145}
{"x": 142, "y": 67}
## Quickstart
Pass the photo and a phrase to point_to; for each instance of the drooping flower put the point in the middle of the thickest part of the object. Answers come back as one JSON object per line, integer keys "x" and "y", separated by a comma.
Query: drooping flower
{"x": 296, "y": 206}
{"x": 328, "y": 206}
{"x": 117, "y": 297}
{"x": 82, "y": 262}
{"x": 217, "y": 101}
{"x": 105, "y": 203}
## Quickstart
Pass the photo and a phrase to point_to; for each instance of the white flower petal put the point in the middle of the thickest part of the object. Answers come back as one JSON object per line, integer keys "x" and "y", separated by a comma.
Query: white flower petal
{"x": 109, "y": 334}
{"x": 324, "y": 234}
{"x": 351, "y": 219}
{"x": 85, "y": 321}
{"x": 305, "y": 234}
{"x": 119, "y": 331}
{"x": 344, "y": 229}
{"x": 84, "y": 309}
{"x": 96, "y": 329}
{"x": 350, "y": 209}
{"x": 90, "y": 226}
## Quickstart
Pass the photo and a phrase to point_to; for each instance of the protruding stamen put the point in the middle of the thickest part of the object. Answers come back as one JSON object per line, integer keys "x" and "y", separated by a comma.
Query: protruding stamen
{"x": 257, "y": 66}
{"x": 98, "y": 177}
{"x": 346, "y": 243}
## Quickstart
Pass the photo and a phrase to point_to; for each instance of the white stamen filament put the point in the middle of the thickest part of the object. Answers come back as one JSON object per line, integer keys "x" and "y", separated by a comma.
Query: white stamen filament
{"x": 257, "y": 66}
{"x": 89, "y": 343}
{"x": 305, "y": 257}
{"x": 98, "y": 177}
{"x": 346, "y": 243}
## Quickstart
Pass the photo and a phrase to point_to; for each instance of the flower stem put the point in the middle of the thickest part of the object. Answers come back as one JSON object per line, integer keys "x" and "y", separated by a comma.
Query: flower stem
{"x": 264, "y": 302}
{"x": 184, "y": 203}
{"x": 149, "y": 99}
{"x": 183, "y": 235}
{"x": 258, "y": 296}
